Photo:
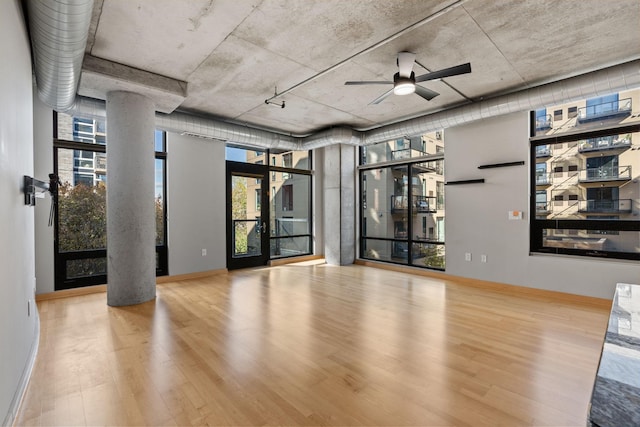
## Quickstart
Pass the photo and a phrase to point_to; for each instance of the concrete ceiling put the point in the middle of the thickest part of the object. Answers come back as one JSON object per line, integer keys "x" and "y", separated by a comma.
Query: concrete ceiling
{"x": 233, "y": 53}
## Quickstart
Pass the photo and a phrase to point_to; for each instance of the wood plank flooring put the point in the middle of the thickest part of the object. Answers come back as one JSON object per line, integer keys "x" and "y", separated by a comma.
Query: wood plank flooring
{"x": 314, "y": 344}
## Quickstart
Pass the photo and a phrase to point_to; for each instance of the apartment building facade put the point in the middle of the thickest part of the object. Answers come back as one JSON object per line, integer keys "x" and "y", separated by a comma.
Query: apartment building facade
{"x": 590, "y": 171}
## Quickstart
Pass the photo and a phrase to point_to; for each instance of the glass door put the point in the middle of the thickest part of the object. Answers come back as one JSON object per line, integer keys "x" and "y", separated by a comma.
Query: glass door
{"x": 247, "y": 215}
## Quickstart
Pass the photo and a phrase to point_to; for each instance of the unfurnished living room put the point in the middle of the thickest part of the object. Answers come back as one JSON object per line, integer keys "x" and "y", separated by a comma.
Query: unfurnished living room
{"x": 320, "y": 212}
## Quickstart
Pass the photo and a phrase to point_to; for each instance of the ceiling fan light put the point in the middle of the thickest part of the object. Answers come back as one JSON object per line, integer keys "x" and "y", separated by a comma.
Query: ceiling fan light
{"x": 404, "y": 88}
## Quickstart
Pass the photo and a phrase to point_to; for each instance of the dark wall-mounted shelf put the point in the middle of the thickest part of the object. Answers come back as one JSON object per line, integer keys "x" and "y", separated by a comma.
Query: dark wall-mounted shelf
{"x": 501, "y": 165}
{"x": 465, "y": 181}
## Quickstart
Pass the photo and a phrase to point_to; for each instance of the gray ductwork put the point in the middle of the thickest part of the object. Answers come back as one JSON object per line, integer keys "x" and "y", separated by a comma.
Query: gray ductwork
{"x": 59, "y": 33}
{"x": 59, "y": 30}
{"x": 207, "y": 128}
{"x": 597, "y": 83}
{"x": 337, "y": 135}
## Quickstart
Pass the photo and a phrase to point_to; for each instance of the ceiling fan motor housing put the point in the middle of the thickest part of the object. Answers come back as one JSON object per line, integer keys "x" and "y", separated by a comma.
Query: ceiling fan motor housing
{"x": 404, "y": 85}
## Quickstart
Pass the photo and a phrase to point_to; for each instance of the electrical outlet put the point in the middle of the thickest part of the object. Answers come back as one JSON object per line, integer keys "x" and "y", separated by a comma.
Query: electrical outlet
{"x": 467, "y": 256}
{"x": 483, "y": 258}
{"x": 204, "y": 252}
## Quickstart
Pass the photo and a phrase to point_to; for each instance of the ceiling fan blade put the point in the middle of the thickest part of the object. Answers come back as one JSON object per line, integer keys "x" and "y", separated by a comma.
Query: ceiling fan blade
{"x": 405, "y": 63}
{"x": 382, "y": 97}
{"x": 447, "y": 72}
{"x": 368, "y": 83}
{"x": 427, "y": 94}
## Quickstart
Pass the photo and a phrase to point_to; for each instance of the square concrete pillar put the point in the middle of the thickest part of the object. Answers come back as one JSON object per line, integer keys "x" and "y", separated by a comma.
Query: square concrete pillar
{"x": 339, "y": 204}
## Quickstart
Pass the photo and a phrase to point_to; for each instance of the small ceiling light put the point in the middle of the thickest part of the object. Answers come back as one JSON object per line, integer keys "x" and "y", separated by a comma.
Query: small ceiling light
{"x": 404, "y": 85}
{"x": 404, "y": 88}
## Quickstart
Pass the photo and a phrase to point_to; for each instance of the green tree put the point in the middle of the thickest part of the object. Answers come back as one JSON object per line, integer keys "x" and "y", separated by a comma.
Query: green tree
{"x": 433, "y": 256}
{"x": 159, "y": 221}
{"x": 82, "y": 225}
{"x": 239, "y": 211}
{"x": 82, "y": 217}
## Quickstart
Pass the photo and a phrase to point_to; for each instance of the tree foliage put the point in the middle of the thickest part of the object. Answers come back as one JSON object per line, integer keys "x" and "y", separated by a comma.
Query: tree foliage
{"x": 159, "y": 221}
{"x": 82, "y": 217}
{"x": 433, "y": 256}
{"x": 239, "y": 211}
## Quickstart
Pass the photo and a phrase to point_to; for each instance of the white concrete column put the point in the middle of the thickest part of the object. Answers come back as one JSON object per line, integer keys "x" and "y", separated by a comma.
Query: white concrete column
{"x": 339, "y": 204}
{"x": 131, "y": 257}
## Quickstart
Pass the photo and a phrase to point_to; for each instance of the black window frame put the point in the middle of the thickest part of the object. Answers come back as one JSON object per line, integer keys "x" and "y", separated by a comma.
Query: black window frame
{"x": 61, "y": 281}
{"x": 539, "y": 225}
{"x": 409, "y": 243}
{"x": 272, "y": 170}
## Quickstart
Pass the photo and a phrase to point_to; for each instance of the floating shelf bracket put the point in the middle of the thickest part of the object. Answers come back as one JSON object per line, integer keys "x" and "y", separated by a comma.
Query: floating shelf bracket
{"x": 501, "y": 165}
{"x": 465, "y": 181}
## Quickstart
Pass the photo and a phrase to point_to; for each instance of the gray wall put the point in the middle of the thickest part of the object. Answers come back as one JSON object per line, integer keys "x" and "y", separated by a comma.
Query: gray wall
{"x": 18, "y": 329}
{"x": 196, "y": 204}
{"x": 477, "y": 216}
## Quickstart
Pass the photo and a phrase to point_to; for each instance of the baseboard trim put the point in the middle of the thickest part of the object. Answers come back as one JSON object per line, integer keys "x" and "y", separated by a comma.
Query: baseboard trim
{"x": 14, "y": 407}
{"x": 292, "y": 260}
{"x": 496, "y": 286}
{"x": 189, "y": 276}
{"x": 67, "y": 293}
{"x": 96, "y": 289}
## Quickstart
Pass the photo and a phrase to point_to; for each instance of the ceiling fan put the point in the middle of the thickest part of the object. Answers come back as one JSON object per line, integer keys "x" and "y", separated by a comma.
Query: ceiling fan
{"x": 404, "y": 81}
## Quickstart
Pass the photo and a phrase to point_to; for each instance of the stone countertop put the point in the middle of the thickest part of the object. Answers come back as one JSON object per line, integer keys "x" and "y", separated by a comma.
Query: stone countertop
{"x": 616, "y": 393}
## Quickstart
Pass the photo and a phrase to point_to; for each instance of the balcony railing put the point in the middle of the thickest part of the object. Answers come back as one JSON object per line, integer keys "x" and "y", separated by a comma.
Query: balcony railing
{"x": 543, "y": 179}
{"x": 605, "y": 173}
{"x": 425, "y": 203}
{"x": 101, "y": 162}
{"x": 605, "y": 206}
{"x": 606, "y": 143}
{"x": 406, "y": 153}
{"x": 543, "y": 150}
{"x": 421, "y": 204}
{"x": 544, "y": 122}
{"x": 399, "y": 203}
{"x": 542, "y": 208}
{"x": 621, "y": 107}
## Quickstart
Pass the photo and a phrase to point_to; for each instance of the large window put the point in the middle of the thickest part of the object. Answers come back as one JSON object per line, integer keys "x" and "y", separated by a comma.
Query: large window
{"x": 80, "y": 161}
{"x": 585, "y": 183}
{"x": 289, "y": 198}
{"x": 402, "y": 201}
{"x": 290, "y": 218}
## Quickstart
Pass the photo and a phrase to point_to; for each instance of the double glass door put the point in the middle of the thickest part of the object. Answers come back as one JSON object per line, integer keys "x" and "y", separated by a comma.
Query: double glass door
{"x": 247, "y": 215}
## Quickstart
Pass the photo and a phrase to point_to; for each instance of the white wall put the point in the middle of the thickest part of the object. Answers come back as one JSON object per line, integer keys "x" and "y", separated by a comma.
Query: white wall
{"x": 477, "y": 220}
{"x": 196, "y": 204}
{"x": 18, "y": 330}
{"x": 43, "y": 166}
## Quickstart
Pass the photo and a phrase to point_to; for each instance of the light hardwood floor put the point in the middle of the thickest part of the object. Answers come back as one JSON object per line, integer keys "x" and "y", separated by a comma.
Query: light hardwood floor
{"x": 317, "y": 345}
